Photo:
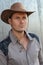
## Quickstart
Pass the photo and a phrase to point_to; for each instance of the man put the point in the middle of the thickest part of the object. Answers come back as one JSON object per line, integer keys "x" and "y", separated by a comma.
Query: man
{"x": 20, "y": 47}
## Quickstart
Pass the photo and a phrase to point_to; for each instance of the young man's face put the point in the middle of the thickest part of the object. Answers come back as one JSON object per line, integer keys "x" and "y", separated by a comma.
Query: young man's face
{"x": 18, "y": 21}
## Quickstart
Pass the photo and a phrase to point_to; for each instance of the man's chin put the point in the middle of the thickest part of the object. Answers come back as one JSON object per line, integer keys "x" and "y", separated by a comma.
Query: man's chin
{"x": 20, "y": 31}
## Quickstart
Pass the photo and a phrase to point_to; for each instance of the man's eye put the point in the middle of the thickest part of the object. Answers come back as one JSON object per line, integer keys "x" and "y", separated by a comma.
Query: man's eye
{"x": 17, "y": 17}
{"x": 24, "y": 17}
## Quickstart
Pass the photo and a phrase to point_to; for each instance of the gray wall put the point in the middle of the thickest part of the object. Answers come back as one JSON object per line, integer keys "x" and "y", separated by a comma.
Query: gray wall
{"x": 35, "y": 20}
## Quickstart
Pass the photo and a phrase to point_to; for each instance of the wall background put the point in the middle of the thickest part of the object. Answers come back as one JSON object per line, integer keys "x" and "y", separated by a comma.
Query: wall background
{"x": 35, "y": 20}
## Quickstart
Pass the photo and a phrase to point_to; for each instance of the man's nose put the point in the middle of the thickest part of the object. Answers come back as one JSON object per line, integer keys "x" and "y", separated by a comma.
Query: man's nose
{"x": 21, "y": 21}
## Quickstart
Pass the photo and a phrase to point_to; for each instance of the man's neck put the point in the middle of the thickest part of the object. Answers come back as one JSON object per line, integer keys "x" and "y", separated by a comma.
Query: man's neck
{"x": 19, "y": 35}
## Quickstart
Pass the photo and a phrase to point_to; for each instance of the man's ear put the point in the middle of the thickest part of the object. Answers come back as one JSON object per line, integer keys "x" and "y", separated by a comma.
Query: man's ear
{"x": 9, "y": 21}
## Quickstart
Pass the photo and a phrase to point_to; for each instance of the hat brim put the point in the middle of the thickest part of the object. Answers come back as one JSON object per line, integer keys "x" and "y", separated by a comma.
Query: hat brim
{"x": 6, "y": 13}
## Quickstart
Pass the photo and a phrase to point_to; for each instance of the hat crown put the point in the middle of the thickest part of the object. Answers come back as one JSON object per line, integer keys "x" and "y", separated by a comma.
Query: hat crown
{"x": 18, "y": 7}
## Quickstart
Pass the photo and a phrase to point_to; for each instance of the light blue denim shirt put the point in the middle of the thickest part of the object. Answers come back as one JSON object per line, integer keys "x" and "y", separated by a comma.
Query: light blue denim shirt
{"x": 17, "y": 55}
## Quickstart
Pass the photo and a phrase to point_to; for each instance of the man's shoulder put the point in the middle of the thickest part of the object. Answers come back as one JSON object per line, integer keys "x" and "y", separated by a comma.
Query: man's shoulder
{"x": 34, "y": 36}
{"x": 4, "y": 45}
{"x": 6, "y": 40}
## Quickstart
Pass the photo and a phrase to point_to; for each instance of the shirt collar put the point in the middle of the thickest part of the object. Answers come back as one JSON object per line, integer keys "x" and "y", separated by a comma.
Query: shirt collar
{"x": 14, "y": 38}
{"x": 29, "y": 35}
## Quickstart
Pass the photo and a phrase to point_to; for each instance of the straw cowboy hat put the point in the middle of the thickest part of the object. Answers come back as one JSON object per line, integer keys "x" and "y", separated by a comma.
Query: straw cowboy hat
{"x": 16, "y": 7}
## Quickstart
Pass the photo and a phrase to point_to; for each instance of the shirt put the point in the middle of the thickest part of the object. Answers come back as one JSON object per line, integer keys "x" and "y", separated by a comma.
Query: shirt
{"x": 17, "y": 55}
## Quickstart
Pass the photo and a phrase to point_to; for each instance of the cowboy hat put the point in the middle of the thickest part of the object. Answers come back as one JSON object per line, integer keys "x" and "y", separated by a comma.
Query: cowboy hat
{"x": 16, "y": 7}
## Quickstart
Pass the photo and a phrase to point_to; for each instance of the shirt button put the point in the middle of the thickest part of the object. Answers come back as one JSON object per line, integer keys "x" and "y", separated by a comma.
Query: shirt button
{"x": 21, "y": 49}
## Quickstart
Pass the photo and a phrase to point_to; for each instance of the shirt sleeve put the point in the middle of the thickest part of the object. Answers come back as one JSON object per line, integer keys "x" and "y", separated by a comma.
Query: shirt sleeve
{"x": 3, "y": 60}
{"x": 40, "y": 55}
